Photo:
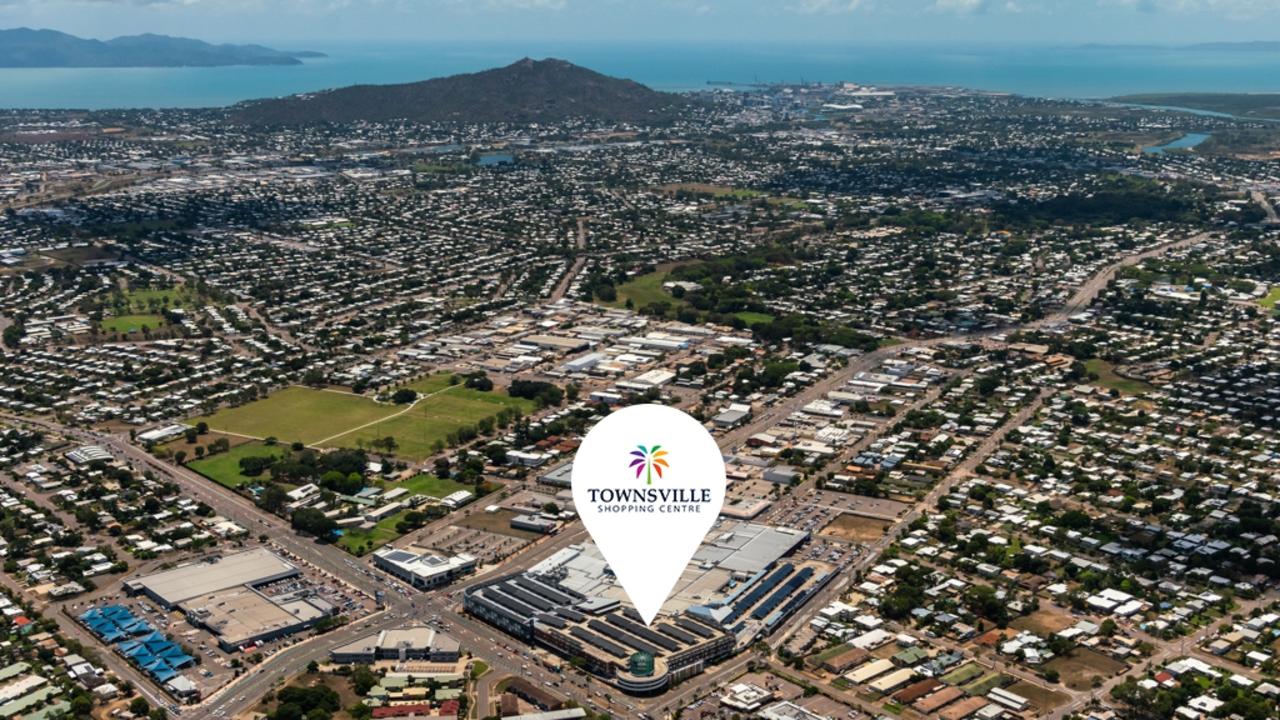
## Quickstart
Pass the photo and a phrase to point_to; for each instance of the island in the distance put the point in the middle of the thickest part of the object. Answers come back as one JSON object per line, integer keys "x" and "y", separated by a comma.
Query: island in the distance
{"x": 28, "y": 48}
{"x": 528, "y": 90}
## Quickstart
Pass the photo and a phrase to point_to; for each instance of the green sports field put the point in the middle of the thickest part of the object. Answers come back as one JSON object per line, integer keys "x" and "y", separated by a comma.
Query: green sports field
{"x": 644, "y": 290}
{"x": 132, "y": 323}
{"x": 754, "y": 318}
{"x": 1108, "y": 378}
{"x": 426, "y": 484}
{"x": 1272, "y": 300}
{"x": 432, "y": 419}
{"x": 298, "y": 414}
{"x": 325, "y": 418}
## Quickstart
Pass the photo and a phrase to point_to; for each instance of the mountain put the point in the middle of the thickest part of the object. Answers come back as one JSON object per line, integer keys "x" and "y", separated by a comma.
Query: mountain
{"x": 27, "y": 48}
{"x": 1256, "y": 46}
{"x": 1250, "y": 46}
{"x": 525, "y": 91}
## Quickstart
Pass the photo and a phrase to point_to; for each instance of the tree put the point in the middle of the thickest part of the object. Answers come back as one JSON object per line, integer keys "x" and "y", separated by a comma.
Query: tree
{"x": 273, "y": 498}
{"x": 544, "y": 393}
{"x": 404, "y": 396}
{"x": 441, "y": 467}
{"x": 362, "y": 680}
{"x": 313, "y": 522}
{"x": 13, "y": 335}
{"x": 981, "y": 600}
{"x": 139, "y": 706}
{"x": 81, "y": 706}
{"x": 479, "y": 381}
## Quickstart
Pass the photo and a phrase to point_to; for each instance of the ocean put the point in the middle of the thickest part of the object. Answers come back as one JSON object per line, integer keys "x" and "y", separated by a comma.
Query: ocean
{"x": 1065, "y": 72}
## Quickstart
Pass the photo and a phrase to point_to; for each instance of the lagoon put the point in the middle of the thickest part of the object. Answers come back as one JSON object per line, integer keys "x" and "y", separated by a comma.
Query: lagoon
{"x": 1186, "y": 142}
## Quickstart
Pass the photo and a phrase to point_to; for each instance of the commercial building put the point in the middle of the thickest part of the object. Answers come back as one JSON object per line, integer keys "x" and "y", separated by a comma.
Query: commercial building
{"x": 457, "y": 499}
{"x": 533, "y": 523}
{"x": 414, "y": 643}
{"x": 223, "y": 595}
{"x": 423, "y": 570}
{"x": 242, "y": 616}
{"x": 745, "y": 697}
{"x": 787, "y": 710}
{"x": 610, "y": 640}
{"x": 204, "y": 577}
{"x": 559, "y": 476}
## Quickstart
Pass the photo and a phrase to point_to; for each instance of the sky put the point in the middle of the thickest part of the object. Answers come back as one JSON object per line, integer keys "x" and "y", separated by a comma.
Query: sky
{"x": 985, "y": 22}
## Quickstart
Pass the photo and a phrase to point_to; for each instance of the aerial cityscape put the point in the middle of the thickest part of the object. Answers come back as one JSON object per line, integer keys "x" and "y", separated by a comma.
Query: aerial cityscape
{"x": 291, "y": 391}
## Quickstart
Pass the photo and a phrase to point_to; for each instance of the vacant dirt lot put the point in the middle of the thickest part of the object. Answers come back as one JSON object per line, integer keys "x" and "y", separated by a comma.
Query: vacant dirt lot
{"x": 1044, "y": 622}
{"x": 1078, "y": 669}
{"x": 1043, "y": 699}
{"x": 855, "y": 528}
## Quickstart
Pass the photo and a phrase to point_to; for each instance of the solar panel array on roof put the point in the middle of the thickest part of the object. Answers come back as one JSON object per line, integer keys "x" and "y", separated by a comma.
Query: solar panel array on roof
{"x": 544, "y": 588}
{"x": 783, "y": 592}
{"x": 794, "y": 603}
{"x": 591, "y": 638}
{"x": 499, "y": 594}
{"x": 759, "y": 591}
{"x": 571, "y": 614}
{"x": 551, "y": 619}
{"x": 616, "y": 634}
{"x": 527, "y": 597}
{"x": 677, "y": 633}
{"x": 495, "y": 607}
{"x": 400, "y": 556}
{"x": 694, "y": 627}
{"x": 641, "y": 631}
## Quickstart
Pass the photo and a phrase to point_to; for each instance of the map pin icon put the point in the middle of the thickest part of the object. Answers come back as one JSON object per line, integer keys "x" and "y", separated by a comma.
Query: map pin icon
{"x": 648, "y": 483}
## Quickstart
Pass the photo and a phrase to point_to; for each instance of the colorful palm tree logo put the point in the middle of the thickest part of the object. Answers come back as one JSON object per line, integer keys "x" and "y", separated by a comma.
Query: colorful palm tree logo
{"x": 648, "y": 461}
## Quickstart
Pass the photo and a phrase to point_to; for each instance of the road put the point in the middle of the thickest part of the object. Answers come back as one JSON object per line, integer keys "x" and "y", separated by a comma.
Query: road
{"x": 579, "y": 262}
{"x": 1261, "y": 198}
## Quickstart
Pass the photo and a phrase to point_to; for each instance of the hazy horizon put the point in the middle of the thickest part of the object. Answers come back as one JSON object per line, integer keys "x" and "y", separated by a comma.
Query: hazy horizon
{"x": 986, "y": 22}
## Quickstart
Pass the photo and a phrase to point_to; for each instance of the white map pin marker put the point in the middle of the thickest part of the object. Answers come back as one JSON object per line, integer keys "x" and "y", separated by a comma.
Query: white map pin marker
{"x": 648, "y": 482}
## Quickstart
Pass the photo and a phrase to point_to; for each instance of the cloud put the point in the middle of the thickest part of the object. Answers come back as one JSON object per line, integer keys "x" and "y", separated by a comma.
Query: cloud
{"x": 961, "y": 6}
{"x": 529, "y": 4}
{"x": 977, "y": 7}
{"x": 1230, "y": 9}
{"x": 826, "y": 7}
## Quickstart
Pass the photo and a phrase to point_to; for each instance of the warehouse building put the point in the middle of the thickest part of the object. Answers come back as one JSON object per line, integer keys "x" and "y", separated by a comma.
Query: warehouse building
{"x": 240, "y": 617}
{"x": 534, "y": 523}
{"x": 171, "y": 588}
{"x": 560, "y": 476}
{"x": 222, "y": 595}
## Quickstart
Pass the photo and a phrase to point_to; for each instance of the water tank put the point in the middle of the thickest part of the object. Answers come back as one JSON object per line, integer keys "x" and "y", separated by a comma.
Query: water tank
{"x": 641, "y": 664}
